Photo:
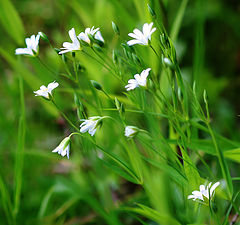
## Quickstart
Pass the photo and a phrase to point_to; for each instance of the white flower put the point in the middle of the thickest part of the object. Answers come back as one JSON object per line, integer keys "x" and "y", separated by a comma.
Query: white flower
{"x": 140, "y": 80}
{"x": 142, "y": 38}
{"x": 84, "y": 36}
{"x": 130, "y": 131}
{"x": 74, "y": 46}
{"x": 63, "y": 148}
{"x": 46, "y": 91}
{"x": 32, "y": 46}
{"x": 207, "y": 192}
{"x": 90, "y": 125}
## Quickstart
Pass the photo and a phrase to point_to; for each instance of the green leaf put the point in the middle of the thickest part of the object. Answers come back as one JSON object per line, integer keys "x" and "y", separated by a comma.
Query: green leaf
{"x": 172, "y": 172}
{"x": 190, "y": 170}
{"x": 152, "y": 214}
{"x": 233, "y": 154}
{"x": 178, "y": 20}
{"x": 11, "y": 21}
{"x": 120, "y": 172}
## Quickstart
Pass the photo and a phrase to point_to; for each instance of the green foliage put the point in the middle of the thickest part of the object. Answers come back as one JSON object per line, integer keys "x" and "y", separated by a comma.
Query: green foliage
{"x": 184, "y": 120}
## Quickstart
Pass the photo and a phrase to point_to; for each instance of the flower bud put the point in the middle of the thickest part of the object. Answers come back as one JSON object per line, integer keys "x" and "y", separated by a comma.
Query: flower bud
{"x": 164, "y": 40}
{"x": 115, "y": 28}
{"x": 130, "y": 131}
{"x": 114, "y": 57}
{"x": 96, "y": 85}
{"x": 205, "y": 96}
{"x": 117, "y": 103}
{"x": 151, "y": 11}
{"x": 43, "y": 36}
{"x": 167, "y": 62}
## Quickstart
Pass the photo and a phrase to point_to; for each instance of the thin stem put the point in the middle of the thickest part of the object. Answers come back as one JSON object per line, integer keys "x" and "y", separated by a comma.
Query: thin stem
{"x": 45, "y": 65}
{"x": 64, "y": 115}
{"x": 154, "y": 51}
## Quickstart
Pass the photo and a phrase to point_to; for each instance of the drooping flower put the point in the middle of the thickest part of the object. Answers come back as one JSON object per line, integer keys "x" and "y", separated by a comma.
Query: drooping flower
{"x": 142, "y": 37}
{"x": 95, "y": 33}
{"x": 63, "y": 148}
{"x": 46, "y": 92}
{"x": 74, "y": 46}
{"x": 90, "y": 125}
{"x": 140, "y": 80}
{"x": 32, "y": 46}
{"x": 130, "y": 131}
{"x": 204, "y": 191}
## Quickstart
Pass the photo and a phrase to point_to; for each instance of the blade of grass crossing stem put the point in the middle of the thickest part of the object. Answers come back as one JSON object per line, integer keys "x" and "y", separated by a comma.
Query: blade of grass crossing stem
{"x": 32, "y": 81}
{"x": 178, "y": 20}
{"x": 222, "y": 162}
{"x": 19, "y": 155}
{"x": 6, "y": 202}
{"x": 45, "y": 202}
{"x": 121, "y": 164}
{"x": 11, "y": 21}
{"x": 190, "y": 170}
{"x": 198, "y": 53}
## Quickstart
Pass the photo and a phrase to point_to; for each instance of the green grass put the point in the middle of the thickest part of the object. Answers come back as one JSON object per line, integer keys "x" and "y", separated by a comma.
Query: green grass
{"x": 186, "y": 117}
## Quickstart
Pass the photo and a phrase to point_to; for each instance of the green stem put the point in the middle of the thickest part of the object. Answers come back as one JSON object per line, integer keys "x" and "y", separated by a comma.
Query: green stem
{"x": 64, "y": 115}
{"x": 45, "y": 65}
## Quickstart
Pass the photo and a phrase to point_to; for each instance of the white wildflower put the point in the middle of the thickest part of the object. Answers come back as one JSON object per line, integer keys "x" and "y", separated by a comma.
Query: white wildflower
{"x": 142, "y": 37}
{"x": 90, "y": 125}
{"x": 46, "y": 92}
{"x": 130, "y": 131}
{"x": 204, "y": 191}
{"x": 32, "y": 46}
{"x": 95, "y": 33}
{"x": 74, "y": 46}
{"x": 140, "y": 80}
{"x": 63, "y": 148}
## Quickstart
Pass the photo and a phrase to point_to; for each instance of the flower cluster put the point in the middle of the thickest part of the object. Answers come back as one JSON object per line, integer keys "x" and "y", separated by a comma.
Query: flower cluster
{"x": 204, "y": 191}
{"x": 90, "y": 33}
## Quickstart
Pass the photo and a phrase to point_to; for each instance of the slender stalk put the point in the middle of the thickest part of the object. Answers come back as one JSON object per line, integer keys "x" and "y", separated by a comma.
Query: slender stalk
{"x": 19, "y": 157}
{"x": 64, "y": 115}
{"x": 45, "y": 65}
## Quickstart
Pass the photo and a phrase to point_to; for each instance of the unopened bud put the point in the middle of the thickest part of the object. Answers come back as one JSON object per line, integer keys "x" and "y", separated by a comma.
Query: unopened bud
{"x": 43, "y": 36}
{"x": 115, "y": 28}
{"x": 167, "y": 62}
{"x": 114, "y": 57}
{"x": 205, "y": 96}
{"x": 96, "y": 85}
{"x": 151, "y": 11}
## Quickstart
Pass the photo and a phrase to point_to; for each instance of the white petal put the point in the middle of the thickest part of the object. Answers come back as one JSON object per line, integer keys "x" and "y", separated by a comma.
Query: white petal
{"x": 82, "y": 36}
{"x": 72, "y": 34}
{"x": 92, "y": 131}
{"x": 41, "y": 93}
{"x": 214, "y": 187}
{"x": 145, "y": 73}
{"x": 52, "y": 86}
{"x": 134, "y": 42}
{"x": 99, "y": 37}
{"x": 23, "y": 51}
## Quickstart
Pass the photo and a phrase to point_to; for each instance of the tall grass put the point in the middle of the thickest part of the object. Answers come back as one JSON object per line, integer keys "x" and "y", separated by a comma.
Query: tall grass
{"x": 109, "y": 178}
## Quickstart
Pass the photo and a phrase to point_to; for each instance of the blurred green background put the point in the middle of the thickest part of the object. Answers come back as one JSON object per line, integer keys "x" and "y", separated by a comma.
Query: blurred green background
{"x": 208, "y": 47}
